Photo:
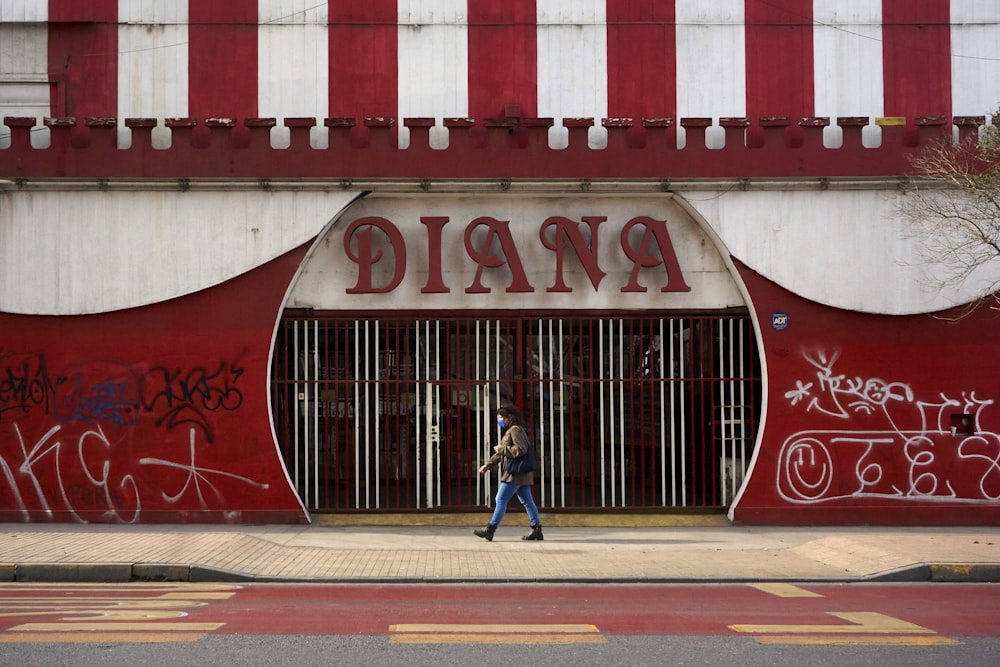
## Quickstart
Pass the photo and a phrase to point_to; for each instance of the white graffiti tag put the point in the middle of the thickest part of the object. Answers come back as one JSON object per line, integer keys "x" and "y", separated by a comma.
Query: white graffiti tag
{"x": 95, "y": 465}
{"x": 917, "y": 454}
{"x": 197, "y": 477}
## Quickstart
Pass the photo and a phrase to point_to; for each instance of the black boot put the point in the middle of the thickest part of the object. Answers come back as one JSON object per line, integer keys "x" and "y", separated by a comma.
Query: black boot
{"x": 486, "y": 533}
{"x": 535, "y": 534}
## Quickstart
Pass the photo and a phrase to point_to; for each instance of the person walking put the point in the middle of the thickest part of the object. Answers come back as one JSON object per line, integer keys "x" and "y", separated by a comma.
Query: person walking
{"x": 516, "y": 454}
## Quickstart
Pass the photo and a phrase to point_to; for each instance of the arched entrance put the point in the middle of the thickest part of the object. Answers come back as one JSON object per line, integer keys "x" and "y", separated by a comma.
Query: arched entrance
{"x": 393, "y": 409}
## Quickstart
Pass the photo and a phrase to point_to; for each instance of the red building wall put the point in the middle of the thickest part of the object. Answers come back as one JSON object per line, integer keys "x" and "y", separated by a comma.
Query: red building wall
{"x": 153, "y": 414}
{"x": 861, "y": 410}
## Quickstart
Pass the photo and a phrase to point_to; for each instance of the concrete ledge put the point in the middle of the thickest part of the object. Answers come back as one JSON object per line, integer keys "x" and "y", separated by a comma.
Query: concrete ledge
{"x": 74, "y": 572}
{"x": 204, "y": 575}
{"x": 966, "y": 572}
{"x": 910, "y": 573}
{"x": 160, "y": 572}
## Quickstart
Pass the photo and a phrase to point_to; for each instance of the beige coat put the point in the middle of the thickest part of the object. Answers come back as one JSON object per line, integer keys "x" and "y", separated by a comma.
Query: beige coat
{"x": 514, "y": 443}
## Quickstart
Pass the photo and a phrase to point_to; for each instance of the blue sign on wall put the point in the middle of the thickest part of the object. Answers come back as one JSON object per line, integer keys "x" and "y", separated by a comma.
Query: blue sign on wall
{"x": 779, "y": 321}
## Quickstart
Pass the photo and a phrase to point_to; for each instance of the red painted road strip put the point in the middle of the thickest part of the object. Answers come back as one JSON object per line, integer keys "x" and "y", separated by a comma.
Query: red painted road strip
{"x": 956, "y": 610}
{"x": 965, "y": 610}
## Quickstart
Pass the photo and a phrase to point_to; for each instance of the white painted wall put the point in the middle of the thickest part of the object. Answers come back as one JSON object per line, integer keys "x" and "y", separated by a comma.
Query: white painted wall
{"x": 847, "y": 64}
{"x": 572, "y": 68}
{"x": 152, "y": 47}
{"x": 70, "y": 253}
{"x": 847, "y": 249}
{"x": 711, "y": 63}
{"x": 975, "y": 61}
{"x": 433, "y": 64}
{"x": 87, "y": 252}
{"x": 16, "y": 11}
{"x": 293, "y": 62}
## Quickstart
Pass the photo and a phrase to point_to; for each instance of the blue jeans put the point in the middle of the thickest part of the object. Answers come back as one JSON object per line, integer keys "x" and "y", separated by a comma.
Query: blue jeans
{"x": 507, "y": 491}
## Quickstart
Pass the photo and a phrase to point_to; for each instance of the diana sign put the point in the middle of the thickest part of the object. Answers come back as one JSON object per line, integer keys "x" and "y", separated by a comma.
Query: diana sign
{"x": 465, "y": 253}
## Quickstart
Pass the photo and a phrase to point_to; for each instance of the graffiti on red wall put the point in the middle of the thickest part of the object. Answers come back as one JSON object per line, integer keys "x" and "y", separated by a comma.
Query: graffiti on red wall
{"x": 78, "y": 441}
{"x": 894, "y": 444}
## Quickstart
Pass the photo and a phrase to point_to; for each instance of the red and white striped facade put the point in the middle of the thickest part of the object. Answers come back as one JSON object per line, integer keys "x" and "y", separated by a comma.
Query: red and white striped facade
{"x": 452, "y": 58}
{"x": 175, "y": 174}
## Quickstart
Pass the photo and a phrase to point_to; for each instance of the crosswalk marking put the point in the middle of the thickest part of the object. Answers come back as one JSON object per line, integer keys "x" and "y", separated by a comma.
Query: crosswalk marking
{"x": 491, "y": 627}
{"x": 88, "y": 613}
{"x": 89, "y": 637}
{"x": 112, "y": 626}
{"x": 860, "y": 622}
{"x": 492, "y": 633}
{"x": 785, "y": 590}
{"x": 864, "y": 628}
{"x": 858, "y": 640}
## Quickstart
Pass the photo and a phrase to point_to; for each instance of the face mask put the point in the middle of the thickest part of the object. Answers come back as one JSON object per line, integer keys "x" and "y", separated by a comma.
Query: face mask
{"x": 500, "y": 422}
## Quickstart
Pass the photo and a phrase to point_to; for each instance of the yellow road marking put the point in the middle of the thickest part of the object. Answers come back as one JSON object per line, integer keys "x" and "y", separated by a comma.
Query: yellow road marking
{"x": 785, "y": 590}
{"x": 498, "y": 638}
{"x": 493, "y": 633}
{"x": 130, "y": 588}
{"x": 863, "y": 622}
{"x": 491, "y": 628}
{"x": 84, "y": 637}
{"x": 115, "y": 626}
{"x": 859, "y": 640}
{"x": 94, "y": 601}
{"x": 100, "y": 612}
{"x": 198, "y": 596}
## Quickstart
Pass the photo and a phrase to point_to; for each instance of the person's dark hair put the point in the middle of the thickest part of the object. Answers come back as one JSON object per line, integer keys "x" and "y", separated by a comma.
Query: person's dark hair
{"x": 512, "y": 415}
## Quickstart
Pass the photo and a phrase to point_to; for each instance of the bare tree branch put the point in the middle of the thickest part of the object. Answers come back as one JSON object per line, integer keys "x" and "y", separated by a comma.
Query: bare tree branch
{"x": 953, "y": 208}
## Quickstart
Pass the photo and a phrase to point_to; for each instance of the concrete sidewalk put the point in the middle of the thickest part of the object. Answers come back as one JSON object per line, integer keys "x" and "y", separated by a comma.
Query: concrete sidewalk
{"x": 709, "y": 551}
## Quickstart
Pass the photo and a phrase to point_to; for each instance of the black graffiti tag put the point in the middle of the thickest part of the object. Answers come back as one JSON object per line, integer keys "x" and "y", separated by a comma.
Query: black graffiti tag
{"x": 184, "y": 397}
{"x": 25, "y": 384}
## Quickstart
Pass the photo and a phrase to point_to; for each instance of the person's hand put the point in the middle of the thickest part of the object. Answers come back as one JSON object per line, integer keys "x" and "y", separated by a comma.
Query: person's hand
{"x": 483, "y": 469}
{"x": 498, "y": 448}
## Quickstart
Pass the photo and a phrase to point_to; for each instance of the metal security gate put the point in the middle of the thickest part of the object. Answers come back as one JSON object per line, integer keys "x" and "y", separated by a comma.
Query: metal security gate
{"x": 398, "y": 412}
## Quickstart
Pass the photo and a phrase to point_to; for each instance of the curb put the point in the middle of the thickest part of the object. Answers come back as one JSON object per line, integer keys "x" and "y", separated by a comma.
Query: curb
{"x": 116, "y": 573}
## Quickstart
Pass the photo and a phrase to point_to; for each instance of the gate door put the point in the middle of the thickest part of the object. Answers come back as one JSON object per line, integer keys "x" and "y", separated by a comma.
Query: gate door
{"x": 399, "y": 412}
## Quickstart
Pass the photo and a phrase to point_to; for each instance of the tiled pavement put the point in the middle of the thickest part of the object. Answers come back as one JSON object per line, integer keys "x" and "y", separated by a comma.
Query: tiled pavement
{"x": 710, "y": 550}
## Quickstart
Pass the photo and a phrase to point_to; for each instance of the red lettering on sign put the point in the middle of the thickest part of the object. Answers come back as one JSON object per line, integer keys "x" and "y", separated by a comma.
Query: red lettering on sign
{"x": 435, "y": 278}
{"x": 490, "y": 244}
{"x": 568, "y": 233}
{"x": 643, "y": 257}
{"x": 500, "y": 230}
{"x": 366, "y": 260}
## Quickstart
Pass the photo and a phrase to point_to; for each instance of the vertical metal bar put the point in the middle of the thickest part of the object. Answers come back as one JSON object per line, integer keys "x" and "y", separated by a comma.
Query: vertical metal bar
{"x": 545, "y": 414}
{"x": 497, "y": 340}
{"x": 621, "y": 409}
{"x": 309, "y": 409}
{"x": 358, "y": 347}
{"x": 428, "y": 418}
{"x": 725, "y": 411}
{"x": 421, "y": 432}
{"x": 663, "y": 420}
{"x": 377, "y": 432}
{"x": 315, "y": 416}
{"x": 684, "y": 364}
{"x": 477, "y": 431}
{"x": 601, "y": 385}
{"x": 438, "y": 465}
{"x": 562, "y": 416}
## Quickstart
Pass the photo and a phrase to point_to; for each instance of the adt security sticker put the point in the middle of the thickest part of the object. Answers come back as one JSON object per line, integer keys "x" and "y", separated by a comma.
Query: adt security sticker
{"x": 779, "y": 321}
